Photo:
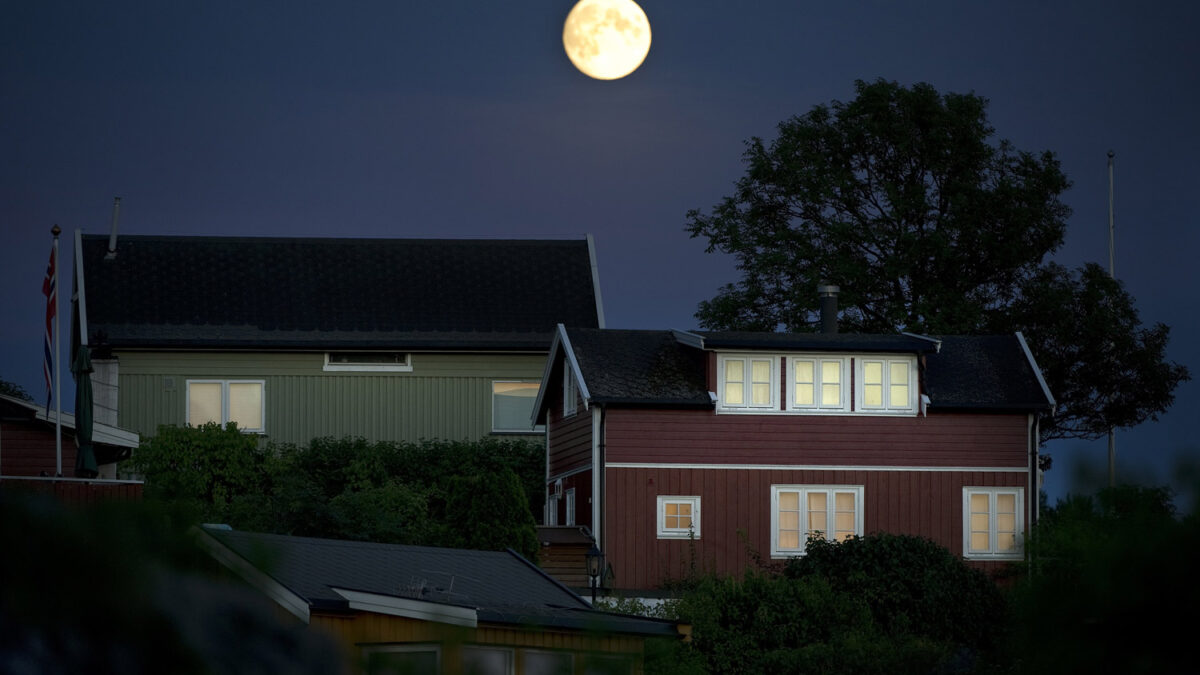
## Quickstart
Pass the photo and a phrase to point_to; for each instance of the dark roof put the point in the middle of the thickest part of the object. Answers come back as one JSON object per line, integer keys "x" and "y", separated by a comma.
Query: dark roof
{"x": 983, "y": 372}
{"x": 653, "y": 368}
{"x": 501, "y": 586}
{"x": 839, "y": 342}
{"x": 640, "y": 367}
{"x": 236, "y": 292}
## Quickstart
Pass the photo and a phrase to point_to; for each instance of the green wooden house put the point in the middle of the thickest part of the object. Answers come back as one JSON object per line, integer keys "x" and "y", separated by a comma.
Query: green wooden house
{"x": 298, "y": 338}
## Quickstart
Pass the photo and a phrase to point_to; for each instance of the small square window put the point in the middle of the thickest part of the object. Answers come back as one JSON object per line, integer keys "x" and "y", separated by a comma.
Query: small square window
{"x": 678, "y": 517}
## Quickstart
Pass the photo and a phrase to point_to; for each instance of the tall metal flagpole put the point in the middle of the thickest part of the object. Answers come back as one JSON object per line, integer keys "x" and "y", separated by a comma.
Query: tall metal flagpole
{"x": 1112, "y": 437}
{"x": 57, "y": 362}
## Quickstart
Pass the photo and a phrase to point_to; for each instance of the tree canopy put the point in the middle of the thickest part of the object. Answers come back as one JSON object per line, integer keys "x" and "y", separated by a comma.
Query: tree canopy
{"x": 903, "y": 198}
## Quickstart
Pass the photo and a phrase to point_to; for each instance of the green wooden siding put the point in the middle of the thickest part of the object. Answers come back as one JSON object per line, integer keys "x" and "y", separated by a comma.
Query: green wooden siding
{"x": 445, "y": 396}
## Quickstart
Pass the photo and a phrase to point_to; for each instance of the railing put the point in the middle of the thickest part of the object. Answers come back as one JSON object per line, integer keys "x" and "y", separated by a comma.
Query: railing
{"x": 76, "y": 491}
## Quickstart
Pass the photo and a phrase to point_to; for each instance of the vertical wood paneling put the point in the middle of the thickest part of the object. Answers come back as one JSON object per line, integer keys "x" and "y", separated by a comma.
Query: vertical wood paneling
{"x": 446, "y": 396}
{"x": 927, "y": 504}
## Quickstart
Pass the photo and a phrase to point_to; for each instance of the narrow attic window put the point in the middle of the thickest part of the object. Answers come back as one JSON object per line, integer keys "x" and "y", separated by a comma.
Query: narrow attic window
{"x": 376, "y": 362}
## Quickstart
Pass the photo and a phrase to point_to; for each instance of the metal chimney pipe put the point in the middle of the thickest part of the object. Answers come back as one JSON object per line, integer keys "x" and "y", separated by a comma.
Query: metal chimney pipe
{"x": 829, "y": 307}
{"x": 112, "y": 236}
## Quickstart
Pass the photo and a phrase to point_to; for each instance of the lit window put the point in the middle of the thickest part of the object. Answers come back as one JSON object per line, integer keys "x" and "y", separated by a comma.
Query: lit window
{"x": 818, "y": 384}
{"x": 993, "y": 522}
{"x": 377, "y": 362}
{"x": 747, "y": 382}
{"x": 886, "y": 385}
{"x": 224, "y": 401}
{"x": 799, "y": 512}
{"x": 678, "y": 517}
{"x": 512, "y": 407}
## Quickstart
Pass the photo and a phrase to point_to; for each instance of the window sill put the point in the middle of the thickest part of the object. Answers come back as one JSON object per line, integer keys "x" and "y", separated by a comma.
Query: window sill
{"x": 678, "y": 535}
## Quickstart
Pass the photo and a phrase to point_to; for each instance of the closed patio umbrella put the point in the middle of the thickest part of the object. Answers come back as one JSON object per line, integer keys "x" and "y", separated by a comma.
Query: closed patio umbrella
{"x": 85, "y": 457}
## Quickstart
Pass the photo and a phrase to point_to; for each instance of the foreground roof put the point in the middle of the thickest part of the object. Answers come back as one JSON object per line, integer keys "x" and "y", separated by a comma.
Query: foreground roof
{"x": 281, "y": 292}
{"x": 438, "y": 584}
{"x": 662, "y": 368}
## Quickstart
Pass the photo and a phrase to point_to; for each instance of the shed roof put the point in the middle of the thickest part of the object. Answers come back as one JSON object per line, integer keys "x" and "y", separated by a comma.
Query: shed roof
{"x": 499, "y": 586}
{"x": 283, "y": 292}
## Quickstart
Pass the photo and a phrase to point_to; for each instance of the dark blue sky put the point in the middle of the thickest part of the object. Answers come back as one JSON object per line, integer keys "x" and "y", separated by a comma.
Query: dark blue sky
{"x": 465, "y": 119}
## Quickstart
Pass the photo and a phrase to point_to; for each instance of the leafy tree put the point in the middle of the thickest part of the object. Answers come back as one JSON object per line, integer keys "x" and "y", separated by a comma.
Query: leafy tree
{"x": 15, "y": 390}
{"x": 1103, "y": 367}
{"x": 488, "y": 512}
{"x": 1107, "y": 577}
{"x": 208, "y": 466}
{"x": 902, "y": 198}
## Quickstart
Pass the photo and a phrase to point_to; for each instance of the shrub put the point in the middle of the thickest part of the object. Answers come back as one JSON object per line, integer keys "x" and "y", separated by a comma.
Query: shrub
{"x": 911, "y": 585}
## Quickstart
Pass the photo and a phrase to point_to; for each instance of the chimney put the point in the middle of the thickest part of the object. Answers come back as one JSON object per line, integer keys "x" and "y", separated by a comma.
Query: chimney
{"x": 829, "y": 309}
{"x": 112, "y": 236}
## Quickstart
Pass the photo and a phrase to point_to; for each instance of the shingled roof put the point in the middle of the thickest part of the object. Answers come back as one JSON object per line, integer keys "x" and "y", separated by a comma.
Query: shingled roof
{"x": 984, "y": 372}
{"x": 640, "y": 367}
{"x": 488, "y": 586}
{"x": 664, "y": 368}
{"x": 253, "y": 292}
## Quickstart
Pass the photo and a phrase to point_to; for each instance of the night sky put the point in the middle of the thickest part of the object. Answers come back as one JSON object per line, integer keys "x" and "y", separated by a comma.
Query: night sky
{"x": 465, "y": 119}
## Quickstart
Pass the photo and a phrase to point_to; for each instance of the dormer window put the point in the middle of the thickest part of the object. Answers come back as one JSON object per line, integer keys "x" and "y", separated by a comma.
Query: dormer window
{"x": 748, "y": 383}
{"x": 887, "y": 385}
{"x": 819, "y": 383}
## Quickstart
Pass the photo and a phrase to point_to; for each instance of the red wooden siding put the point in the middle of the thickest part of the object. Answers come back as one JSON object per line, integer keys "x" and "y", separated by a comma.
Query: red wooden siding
{"x": 582, "y": 483}
{"x": 28, "y": 449}
{"x": 923, "y": 503}
{"x": 570, "y": 441}
{"x": 704, "y": 437}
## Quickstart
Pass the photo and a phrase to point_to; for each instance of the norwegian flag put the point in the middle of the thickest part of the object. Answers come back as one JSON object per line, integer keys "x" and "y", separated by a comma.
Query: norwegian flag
{"x": 50, "y": 290}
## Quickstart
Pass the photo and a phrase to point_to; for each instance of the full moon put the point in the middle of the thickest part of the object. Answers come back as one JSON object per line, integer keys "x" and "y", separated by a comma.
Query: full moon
{"x": 606, "y": 39}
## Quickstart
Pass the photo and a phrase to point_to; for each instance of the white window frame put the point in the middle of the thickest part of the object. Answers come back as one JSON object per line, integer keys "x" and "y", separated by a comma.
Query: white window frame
{"x": 843, "y": 404}
{"x": 405, "y": 367}
{"x": 570, "y": 393}
{"x": 497, "y": 430}
{"x": 748, "y": 383}
{"x": 887, "y": 408}
{"x": 665, "y": 532}
{"x": 992, "y": 552}
{"x": 262, "y": 413}
{"x": 551, "y": 509}
{"x": 509, "y": 652}
{"x": 570, "y": 499}
{"x": 804, "y": 491}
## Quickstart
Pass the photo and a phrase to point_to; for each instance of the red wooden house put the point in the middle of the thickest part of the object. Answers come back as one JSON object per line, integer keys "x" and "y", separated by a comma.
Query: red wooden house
{"x": 708, "y": 448}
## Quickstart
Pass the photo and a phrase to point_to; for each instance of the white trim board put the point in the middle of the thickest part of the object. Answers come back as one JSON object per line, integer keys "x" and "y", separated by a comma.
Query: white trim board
{"x": 409, "y": 608}
{"x": 815, "y": 467}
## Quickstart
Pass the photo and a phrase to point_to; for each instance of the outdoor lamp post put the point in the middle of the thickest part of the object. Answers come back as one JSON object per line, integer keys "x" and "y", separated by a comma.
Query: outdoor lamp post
{"x": 595, "y": 560}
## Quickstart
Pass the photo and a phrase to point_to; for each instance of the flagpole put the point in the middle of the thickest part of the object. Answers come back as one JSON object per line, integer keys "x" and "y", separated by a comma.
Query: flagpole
{"x": 1112, "y": 432}
{"x": 57, "y": 362}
